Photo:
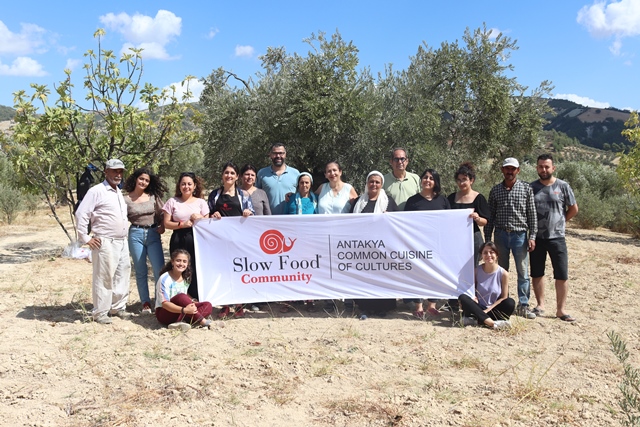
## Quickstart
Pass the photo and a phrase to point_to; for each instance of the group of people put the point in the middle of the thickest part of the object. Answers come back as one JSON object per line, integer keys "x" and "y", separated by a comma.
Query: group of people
{"x": 522, "y": 218}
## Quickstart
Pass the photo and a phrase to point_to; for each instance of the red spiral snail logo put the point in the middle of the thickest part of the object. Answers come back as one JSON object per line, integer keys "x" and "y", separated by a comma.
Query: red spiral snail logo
{"x": 273, "y": 242}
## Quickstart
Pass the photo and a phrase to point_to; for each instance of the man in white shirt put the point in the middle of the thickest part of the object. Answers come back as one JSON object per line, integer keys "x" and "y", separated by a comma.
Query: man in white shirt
{"x": 103, "y": 209}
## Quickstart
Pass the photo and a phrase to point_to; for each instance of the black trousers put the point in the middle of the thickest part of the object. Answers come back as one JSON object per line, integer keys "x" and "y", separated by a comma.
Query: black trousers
{"x": 182, "y": 238}
{"x": 502, "y": 311}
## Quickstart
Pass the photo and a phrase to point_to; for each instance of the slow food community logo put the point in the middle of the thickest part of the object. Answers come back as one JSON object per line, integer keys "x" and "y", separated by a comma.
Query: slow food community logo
{"x": 273, "y": 242}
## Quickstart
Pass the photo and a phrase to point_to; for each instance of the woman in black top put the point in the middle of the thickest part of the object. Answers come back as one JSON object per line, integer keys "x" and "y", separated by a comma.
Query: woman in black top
{"x": 226, "y": 201}
{"x": 428, "y": 199}
{"x": 467, "y": 198}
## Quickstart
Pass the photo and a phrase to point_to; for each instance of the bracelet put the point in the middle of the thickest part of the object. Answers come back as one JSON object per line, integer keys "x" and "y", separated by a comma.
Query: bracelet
{"x": 182, "y": 310}
{"x": 179, "y": 224}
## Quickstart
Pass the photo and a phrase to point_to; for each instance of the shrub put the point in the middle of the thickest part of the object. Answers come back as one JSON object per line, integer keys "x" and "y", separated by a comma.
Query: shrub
{"x": 630, "y": 386}
{"x": 595, "y": 211}
{"x": 10, "y": 202}
{"x": 627, "y": 215}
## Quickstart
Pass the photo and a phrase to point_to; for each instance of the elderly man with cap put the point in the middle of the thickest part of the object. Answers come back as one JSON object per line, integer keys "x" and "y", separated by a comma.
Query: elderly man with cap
{"x": 104, "y": 212}
{"x": 513, "y": 217}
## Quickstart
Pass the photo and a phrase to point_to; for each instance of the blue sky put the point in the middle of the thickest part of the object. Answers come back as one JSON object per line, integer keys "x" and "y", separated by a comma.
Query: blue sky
{"x": 588, "y": 50}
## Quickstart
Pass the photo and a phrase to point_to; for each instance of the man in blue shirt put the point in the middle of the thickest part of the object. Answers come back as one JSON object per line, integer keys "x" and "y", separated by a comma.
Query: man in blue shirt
{"x": 278, "y": 179}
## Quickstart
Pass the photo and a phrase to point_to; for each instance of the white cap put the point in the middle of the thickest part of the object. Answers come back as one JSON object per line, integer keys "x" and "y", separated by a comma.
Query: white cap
{"x": 511, "y": 161}
{"x": 114, "y": 164}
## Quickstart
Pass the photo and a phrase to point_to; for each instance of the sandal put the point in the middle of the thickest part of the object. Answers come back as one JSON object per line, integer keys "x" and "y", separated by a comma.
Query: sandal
{"x": 419, "y": 314}
{"x": 433, "y": 312}
{"x": 224, "y": 312}
{"x": 285, "y": 308}
{"x": 311, "y": 307}
{"x": 239, "y": 312}
{"x": 537, "y": 311}
{"x": 567, "y": 318}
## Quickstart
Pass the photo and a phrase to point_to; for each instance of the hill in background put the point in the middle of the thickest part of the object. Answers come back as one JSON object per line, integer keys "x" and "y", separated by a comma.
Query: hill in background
{"x": 6, "y": 113}
{"x": 594, "y": 127}
{"x": 599, "y": 128}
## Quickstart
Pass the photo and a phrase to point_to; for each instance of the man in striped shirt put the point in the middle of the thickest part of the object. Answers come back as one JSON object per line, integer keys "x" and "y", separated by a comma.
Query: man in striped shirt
{"x": 514, "y": 220}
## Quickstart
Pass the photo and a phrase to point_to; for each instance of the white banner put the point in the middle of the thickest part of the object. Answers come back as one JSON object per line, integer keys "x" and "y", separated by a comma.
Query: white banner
{"x": 300, "y": 257}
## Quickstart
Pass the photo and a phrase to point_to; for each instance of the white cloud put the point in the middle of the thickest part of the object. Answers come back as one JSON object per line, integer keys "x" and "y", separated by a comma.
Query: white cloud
{"x": 22, "y": 67}
{"x": 72, "y": 64}
{"x": 195, "y": 86}
{"x": 618, "y": 19}
{"x": 244, "y": 51}
{"x": 615, "y": 47}
{"x": 142, "y": 31}
{"x": 212, "y": 33}
{"x": 494, "y": 33}
{"x": 582, "y": 100}
{"x": 30, "y": 39}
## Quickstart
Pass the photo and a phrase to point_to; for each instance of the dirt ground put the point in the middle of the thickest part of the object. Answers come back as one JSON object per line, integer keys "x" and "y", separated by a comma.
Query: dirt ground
{"x": 57, "y": 368}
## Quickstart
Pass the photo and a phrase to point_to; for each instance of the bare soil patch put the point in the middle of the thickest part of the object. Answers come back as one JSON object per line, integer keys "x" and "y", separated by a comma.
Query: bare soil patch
{"x": 58, "y": 369}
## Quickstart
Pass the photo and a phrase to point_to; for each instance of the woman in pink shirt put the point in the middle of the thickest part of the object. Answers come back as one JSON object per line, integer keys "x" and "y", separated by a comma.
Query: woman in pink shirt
{"x": 183, "y": 209}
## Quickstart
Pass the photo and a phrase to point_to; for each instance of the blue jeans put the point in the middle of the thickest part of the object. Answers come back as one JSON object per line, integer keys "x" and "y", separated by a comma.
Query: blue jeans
{"x": 517, "y": 243}
{"x": 145, "y": 242}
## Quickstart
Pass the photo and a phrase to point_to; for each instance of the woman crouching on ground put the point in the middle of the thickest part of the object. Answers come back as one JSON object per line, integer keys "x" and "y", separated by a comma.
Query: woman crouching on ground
{"x": 491, "y": 306}
{"x": 174, "y": 307}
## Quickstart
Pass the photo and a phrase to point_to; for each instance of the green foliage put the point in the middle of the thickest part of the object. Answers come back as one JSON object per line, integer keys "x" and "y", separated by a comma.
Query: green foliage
{"x": 598, "y": 191}
{"x": 452, "y": 104}
{"x": 627, "y": 215}
{"x": 629, "y": 166}
{"x": 630, "y": 386}
{"x": 10, "y": 203}
{"x": 50, "y": 144}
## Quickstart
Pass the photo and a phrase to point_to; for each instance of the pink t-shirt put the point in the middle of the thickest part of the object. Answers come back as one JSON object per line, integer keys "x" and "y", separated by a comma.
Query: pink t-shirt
{"x": 182, "y": 212}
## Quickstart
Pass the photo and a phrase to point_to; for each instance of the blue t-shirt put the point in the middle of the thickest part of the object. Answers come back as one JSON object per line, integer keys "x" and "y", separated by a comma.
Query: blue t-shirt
{"x": 307, "y": 205}
{"x": 277, "y": 186}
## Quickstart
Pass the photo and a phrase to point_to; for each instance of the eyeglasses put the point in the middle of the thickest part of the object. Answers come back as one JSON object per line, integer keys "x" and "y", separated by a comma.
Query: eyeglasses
{"x": 400, "y": 159}
{"x": 189, "y": 174}
{"x": 428, "y": 178}
{"x": 278, "y": 154}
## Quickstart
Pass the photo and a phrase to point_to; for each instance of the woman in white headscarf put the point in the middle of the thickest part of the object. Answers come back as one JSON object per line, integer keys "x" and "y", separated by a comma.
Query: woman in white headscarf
{"x": 375, "y": 200}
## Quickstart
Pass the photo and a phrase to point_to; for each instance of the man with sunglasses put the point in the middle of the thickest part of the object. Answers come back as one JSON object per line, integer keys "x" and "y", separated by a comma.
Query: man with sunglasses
{"x": 278, "y": 179}
{"x": 400, "y": 183}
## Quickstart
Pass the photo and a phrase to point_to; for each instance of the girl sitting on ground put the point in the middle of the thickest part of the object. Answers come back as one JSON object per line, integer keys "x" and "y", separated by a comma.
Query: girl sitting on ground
{"x": 491, "y": 306}
{"x": 174, "y": 307}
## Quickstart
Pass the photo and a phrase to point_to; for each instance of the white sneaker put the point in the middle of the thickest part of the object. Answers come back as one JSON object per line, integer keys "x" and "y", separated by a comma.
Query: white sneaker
{"x": 146, "y": 309}
{"x": 179, "y": 326}
{"x": 255, "y": 308}
{"x": 469, "y": 321}
{"x": 122, "y": 314}
{"x": 500, "y": 325}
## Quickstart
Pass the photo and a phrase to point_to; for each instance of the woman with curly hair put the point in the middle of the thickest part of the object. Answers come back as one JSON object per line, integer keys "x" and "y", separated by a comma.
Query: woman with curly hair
{"x": 182, "y": 210}
{"x": 144, "y": 210}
